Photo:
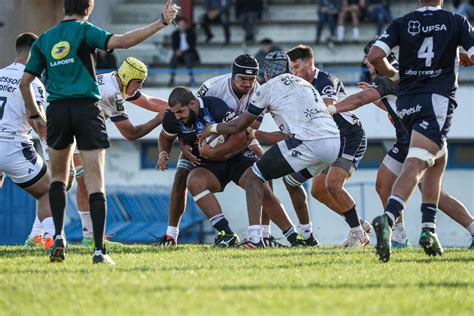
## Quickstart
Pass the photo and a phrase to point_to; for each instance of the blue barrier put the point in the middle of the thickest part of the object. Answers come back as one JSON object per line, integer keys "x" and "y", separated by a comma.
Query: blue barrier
{"x": 134, "y": 215}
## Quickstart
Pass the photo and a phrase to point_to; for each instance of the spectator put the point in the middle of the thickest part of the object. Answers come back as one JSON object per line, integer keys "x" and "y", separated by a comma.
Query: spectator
{"x": 465, "y": 8}
{"x": 327, "y": 13}
{"x": 266, "y": 46}
{"x": 217, "y": 11}
{"x": 379, "y": 11}
{"x": 106, "y": 60}
{"x": 184, "y": 49}
{"x": 247, "y": 12}
{"x": 352, "y": 7}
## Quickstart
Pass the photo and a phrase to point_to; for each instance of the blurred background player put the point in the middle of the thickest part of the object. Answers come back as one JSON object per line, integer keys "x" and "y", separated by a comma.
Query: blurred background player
{"x": 73, "y": 95}
{"x": 298, "y": 110}
{"x": 426, "y": 101}
{"x": 19, "y": 159}
{"x": 328, "y": 187}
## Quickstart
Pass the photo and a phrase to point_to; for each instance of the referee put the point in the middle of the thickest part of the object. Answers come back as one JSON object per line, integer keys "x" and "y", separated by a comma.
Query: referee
{"x": 66, "y": 53}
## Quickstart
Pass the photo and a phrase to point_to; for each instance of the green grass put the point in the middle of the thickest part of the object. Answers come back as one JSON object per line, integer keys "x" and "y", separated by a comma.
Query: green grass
{"x": 200, "y": 280}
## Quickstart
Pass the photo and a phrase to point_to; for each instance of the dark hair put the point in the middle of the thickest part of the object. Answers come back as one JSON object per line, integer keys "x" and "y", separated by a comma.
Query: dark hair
{"x": 266, "y": 41}
{"x": 181, "y": 95}
{"x": 24, "y": 41}
{"x": 300, "y": 52}
{"x": 78, "y": 7}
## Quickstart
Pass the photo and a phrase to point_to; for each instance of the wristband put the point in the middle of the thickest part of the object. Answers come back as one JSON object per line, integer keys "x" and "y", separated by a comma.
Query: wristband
{"x": 163, "y": 21}
{"x": 34, "y": 117}
{"x": 332, "y": 109}
{"x": 213, "y": 128}
{"x": 396, "y": 77}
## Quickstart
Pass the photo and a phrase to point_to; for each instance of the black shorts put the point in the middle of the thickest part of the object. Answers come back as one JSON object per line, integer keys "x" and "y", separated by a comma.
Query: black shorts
{"x": 428, "y": 114}
{"x": 399, "y": 151}
{"x": 229, "y": 170}
{"x": 79, "y": 118}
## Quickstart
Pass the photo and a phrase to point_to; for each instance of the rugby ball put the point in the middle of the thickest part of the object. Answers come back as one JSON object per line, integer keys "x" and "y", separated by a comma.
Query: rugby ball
{"x": 215, "y": 140}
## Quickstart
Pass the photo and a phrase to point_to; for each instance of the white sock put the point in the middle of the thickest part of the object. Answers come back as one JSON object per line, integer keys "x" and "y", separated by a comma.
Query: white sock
{"x": 48, "y": 225}
{"x": 470, "y": 228}
{"x": 340, "y": 32}
{"x": 399, "y": 226}
{"x": 355, "y": 32}
{"x": 305, "y": 230}
{"x": 266, "y": 231}
{"x": 173, "y": 232}
{"x": 86, "y": 220}
{"x": 357, "y": 229}
{"x": 37, "y": 229}
{"x": 255, "y": 233}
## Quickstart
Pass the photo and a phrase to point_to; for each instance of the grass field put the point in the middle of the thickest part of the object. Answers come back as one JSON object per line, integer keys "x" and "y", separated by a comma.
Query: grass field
{"x": 200, "y": 280}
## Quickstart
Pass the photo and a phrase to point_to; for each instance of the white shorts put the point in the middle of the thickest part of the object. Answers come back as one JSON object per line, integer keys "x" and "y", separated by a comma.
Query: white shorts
{"x": 20, "y": 162}
{"x": 393, "y": 165}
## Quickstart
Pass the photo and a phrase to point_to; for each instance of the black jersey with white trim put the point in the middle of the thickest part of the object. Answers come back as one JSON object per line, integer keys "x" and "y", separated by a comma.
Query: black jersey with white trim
{"x": 428, "y": 39}
{"x": 388, "y": 89}
{"x": 211, "y": 110}
{"x": 330, "y": 87}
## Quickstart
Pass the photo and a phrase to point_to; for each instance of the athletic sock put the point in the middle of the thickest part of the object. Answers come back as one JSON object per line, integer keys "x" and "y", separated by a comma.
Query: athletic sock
{"x": 57, "y": 201}
{"x": 428, "y": 216}
{"x": 172, "y": 231}
{"x": 266, "y": 231}
{"x": 220, "y": 223}
{"x": 291, "y": 234}
{"x": 98, "y": 211}
{"x": 470, "y": 228}
{"x": 305, "y": 230}
{"x": 394, "y": 207}
{"x": 37, "y": 229}
{"x": 86, "y": 220}
{"x": 352, "y": 218}
{"x": 255, "y": 233}
{"x": 48, "y": 226}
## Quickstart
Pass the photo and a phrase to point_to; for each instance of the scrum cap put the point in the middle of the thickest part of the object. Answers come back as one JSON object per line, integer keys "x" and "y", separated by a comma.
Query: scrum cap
{"x": 276, "y": 63}
{"x": 131, "y": 69}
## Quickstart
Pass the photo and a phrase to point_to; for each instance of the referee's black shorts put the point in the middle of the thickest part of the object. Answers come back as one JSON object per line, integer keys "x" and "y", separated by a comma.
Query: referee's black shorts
{"x": 79, "y": 118}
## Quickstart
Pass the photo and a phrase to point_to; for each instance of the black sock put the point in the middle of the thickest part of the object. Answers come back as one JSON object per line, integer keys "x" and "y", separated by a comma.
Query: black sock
{"x": 220, "y": 223}
{"x": 428, "y": 216}
{"x": 98, "y": 209}
{"x": 290, "y": 234}
{"x": 351, "y": 217}
{"x": 57, "y": 200}
{"x": 395, "y": 206}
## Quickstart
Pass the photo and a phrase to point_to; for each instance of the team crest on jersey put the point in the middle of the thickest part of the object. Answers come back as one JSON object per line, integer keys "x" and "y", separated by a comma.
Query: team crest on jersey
{"x": 328, "y": 90}
{"x": 60, "y": 50}
{"x": 414, "y": 27}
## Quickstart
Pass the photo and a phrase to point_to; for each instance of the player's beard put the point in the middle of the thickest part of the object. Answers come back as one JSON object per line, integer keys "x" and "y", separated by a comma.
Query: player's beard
{"x": 191, "y": 118}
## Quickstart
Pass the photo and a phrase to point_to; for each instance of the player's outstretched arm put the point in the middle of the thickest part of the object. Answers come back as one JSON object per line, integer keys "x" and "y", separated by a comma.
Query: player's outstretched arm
{"x": 270, "y": 137}
{"x": 137, "y": 36}
{"x": 132, "y": 132}
{"x": 151, "y": 103}
{"x": 355, "y": 101}
{"x": 234, "y": 126}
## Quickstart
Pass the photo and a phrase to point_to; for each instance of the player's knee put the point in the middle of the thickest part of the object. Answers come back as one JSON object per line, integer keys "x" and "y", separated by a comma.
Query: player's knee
{"x": 422, "y": 157}
{"x": 318, "y": 191}
{"x": 196, "y": 184}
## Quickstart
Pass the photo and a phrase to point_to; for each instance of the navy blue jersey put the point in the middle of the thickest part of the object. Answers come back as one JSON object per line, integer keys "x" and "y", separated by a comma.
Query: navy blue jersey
{"x": 428, "y": 39}
{"x": 387, "y": 90}
{"x": 330, "y": 87}
{"x": 211, "y": 110}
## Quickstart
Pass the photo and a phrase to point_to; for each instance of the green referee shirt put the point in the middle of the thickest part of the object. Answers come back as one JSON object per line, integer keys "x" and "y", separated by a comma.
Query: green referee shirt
{"x": 66, "y": 52}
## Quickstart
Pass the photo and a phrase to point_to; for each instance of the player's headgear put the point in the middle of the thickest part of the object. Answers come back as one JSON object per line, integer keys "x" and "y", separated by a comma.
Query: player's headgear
{"x": 392, "y": 58}
{"x": 131, "y": 69}
{"x": 276, "y": 63}
{"x": 245, "y": 65}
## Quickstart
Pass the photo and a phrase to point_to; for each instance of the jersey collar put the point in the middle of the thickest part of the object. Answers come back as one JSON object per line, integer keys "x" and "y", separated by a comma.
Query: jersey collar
{"x": 428, "y": 8}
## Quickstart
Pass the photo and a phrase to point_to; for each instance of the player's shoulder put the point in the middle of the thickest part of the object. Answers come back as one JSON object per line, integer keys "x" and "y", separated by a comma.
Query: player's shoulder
{"x": 214, "y": 84}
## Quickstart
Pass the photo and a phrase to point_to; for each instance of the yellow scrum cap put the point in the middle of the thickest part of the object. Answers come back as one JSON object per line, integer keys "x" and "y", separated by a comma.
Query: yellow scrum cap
{"x": 131, "y": 69}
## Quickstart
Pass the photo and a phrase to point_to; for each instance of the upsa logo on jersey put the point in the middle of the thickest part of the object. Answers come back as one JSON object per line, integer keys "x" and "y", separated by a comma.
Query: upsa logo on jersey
{"x": 414, "y": 28}
{"x": 60, "y": 50}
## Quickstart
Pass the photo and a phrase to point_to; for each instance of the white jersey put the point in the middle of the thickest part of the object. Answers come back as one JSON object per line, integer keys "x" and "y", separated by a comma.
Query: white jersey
{"x": 112, "y": 102}
{"x": 14, "y": 126}
{"x": 221, "y": 87}
{"x": 296, "y": 107}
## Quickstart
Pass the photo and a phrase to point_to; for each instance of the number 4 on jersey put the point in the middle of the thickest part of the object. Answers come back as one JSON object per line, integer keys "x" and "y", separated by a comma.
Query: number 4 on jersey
{"x": 426, "y": 51}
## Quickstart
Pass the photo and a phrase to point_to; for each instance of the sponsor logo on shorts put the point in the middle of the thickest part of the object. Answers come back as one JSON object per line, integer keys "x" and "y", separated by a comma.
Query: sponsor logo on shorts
{"x": 409, "y": 111}
{"x": 424, "y": 124}
{"x": 295, "y": 153}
